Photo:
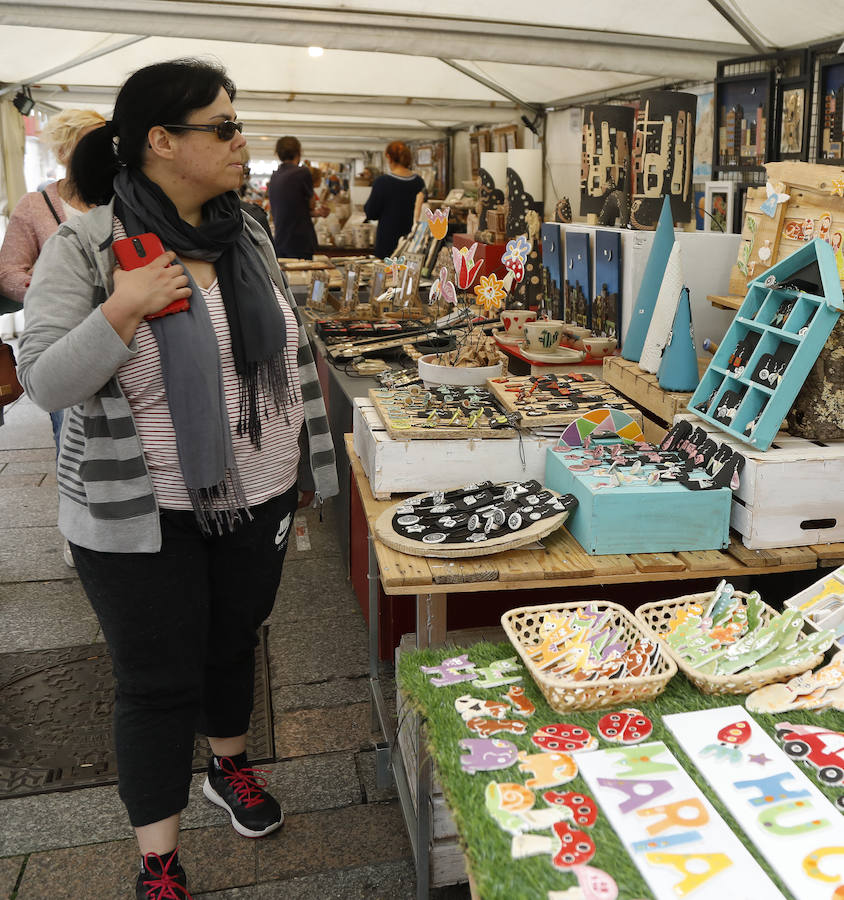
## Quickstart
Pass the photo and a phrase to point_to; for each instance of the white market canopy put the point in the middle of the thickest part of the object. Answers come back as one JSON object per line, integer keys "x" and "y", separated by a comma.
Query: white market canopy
{"x": 384, "y": 74}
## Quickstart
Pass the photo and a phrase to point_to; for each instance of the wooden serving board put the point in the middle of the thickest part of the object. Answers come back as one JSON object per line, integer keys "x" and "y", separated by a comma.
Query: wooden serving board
{"x": 383, "y": 400}
{"x": 506, "y": 392}
{"x": 385, "y": 533}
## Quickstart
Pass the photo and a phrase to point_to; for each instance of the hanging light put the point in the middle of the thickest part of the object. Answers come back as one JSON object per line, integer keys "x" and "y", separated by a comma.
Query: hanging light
{"x": 315, "y": 51}
{"x": 23, "y": 101}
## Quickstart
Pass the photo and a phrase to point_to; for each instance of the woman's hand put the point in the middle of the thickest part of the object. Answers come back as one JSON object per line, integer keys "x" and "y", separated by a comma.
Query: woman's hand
{"x": 306, "y": 499}
{"x": 142, "y": 291}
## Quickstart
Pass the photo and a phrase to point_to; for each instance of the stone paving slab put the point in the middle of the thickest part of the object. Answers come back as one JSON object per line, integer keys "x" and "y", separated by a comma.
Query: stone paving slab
{"x": 9, "y": 871}
{"x": 214, "y": 858}
{"x": 335, "y": 692}
{"x": 309, "y": 731}
{"x": 45, "y": 454}
{"x": 42, "y": 615}
{"x": 11, "y": 480}
{"x": 308, "y": 591}
{"x": 387, "y": 881}
{"x": 334, "y": 839}
{"x": 96, "y": 815}
{"x": 25, "y": 505}
{"x": 320, "y": 535}
{"x": 26, "y": 427}
{"x": 365, "y": 764}
{"x": 29, "y": 466}
{"x": 32, "y": 554}
{"x": 318, "y": 649}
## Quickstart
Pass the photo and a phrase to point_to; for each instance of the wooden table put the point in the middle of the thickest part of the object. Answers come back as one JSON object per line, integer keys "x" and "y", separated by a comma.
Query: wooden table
{"x": 561, "y": 563}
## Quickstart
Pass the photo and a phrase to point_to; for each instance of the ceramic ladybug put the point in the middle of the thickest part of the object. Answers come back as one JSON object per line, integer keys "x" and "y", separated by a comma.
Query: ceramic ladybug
{"x": 576, "y": 847}
{"x": 628, "y": 726}
{"x": 584, "y": 809}
{"x": 563, "y": 738}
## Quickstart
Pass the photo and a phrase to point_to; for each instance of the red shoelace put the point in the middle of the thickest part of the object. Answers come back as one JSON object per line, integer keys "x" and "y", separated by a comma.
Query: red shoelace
{"x": 163, "y": 886}
{"x": 248, "y": 785}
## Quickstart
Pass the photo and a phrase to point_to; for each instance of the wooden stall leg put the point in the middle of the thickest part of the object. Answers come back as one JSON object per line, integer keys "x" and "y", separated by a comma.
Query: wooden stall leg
{"x": 430, "y": 620}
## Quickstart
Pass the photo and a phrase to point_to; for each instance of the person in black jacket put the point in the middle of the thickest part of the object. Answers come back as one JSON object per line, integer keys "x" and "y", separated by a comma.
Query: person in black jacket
{"x": 396, "y": 199}
{"x": 292, "y": 203}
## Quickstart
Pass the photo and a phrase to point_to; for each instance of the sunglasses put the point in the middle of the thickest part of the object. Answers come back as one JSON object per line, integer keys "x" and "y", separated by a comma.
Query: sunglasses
{"x": 225, "y": 131}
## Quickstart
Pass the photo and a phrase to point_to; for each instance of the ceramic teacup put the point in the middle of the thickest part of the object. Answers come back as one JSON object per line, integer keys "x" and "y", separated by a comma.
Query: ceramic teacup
{"x": 514, "y": 320}
{"x": 543, "y": 336}
{"x": 597, "y": 347}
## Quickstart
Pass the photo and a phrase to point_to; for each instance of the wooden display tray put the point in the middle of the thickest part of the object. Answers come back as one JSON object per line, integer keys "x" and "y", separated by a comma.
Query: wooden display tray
{"x": 384, "y": 531}
{"x": 563, "y": 563}
{"x": 369, "y": 345}
{"x": 421, "y": 432}
{"x": 643, "y": 389}
{"x": 598, "y": 389}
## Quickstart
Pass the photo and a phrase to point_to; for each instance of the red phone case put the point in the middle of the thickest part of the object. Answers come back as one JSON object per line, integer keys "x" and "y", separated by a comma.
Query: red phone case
{"x": 134, "y": 252}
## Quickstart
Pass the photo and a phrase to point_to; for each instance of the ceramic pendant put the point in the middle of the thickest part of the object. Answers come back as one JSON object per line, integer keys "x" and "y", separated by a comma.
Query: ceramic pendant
{"x": 564, "y": 738}
{"x": 496, "y": 674}
{"x": 448, "y": 671}
{"x": 487, "y": 754}
{"x": 576, "y": 847}
{"x": 489, "y": 727}
{"x": 628, "y": 726}
{"x": 522, "y": 706}
{"x": 549, "y": 769}
{"x": 469, "y": 707}
{"x": 583, "y": 808}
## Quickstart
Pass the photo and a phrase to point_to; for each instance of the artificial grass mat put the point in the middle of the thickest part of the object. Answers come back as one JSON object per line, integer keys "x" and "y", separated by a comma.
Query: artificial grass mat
{"x": 497, "y": 875}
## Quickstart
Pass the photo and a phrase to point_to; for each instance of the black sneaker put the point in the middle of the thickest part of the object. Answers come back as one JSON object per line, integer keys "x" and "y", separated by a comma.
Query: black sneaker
{"x": 253, "y": 811}
{"x": 161, "y": 880}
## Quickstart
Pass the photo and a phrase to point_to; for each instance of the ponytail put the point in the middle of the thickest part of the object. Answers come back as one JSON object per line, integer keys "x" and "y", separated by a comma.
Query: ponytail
{"x": 93, "y": 166}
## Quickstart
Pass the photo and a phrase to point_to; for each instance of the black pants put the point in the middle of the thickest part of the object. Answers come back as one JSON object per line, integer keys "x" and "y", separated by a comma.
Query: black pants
{"x": 181, "y": 626}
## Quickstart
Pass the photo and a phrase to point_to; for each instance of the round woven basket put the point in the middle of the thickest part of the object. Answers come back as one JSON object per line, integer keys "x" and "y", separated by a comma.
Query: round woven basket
{"x": 658, "y": 617}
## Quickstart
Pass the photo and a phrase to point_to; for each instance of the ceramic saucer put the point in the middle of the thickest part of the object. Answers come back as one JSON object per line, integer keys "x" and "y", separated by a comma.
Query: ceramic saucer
{"x": 504, "y": 337}
{"x": 556, "y": 355}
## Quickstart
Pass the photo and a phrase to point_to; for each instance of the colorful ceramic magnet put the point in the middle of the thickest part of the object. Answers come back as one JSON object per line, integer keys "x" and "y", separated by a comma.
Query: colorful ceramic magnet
{"x": 592, "y": 884}
{"x": 564, "y": 738}
{"x": 448, "y": 671}
{"x": 469, "y": 707}
{"x": 487, "y": 754}
{"x": 522, "y": 706}
{"x": 549, "y": 769}
{"x": 697, "y": 868}
{"x": 489, "y": 727}
{"x": 821, "y": 748}
{"x": 628, "y": 726}
{"x": 576, "y": 847}
{"x": 638, "y": 790}
{"x": 496, "y": 674}
{"x": 687, "y": 813}
{"x": 811, "y": 866}
{"x": 772, "y": 698}
{"x": 506, "y": 801}
{"x": 729, "y": 739}
{"x": 583, "y": 808}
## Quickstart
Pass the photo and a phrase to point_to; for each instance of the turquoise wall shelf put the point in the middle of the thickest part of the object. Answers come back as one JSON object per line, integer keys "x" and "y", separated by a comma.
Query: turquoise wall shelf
{"x": 771, "y": 345}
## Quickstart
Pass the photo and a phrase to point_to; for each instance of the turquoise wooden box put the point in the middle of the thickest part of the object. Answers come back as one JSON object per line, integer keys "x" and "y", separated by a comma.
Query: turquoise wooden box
{"x": 638, "y": 517}
{"x": 790, "y": 310}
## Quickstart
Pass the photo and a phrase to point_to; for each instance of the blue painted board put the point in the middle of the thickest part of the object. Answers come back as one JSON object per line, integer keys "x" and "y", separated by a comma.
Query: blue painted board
{"x": 578, "y": 284}
{"x": 606, "y": 307}
{"x": 638, "y": 517}
{"x": 791, "y": 310}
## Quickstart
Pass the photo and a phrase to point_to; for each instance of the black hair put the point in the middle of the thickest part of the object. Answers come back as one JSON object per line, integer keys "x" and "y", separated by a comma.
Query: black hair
{"x": 288, "y": 148}
{"x": 161, "y": 94}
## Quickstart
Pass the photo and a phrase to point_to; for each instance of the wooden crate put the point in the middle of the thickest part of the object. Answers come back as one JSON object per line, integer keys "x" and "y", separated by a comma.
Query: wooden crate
{"x": 643, "y": 389}
{"x": 790, "y": 495}
{"x": 401, "y": 467}
{"x": 638, "y": 517}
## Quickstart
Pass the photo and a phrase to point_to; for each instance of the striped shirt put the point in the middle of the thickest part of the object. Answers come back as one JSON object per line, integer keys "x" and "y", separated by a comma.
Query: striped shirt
{"x": 264, "y": 474}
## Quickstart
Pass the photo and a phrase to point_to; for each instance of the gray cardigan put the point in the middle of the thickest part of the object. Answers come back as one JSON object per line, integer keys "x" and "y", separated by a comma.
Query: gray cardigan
{"x": 68, "y": 359}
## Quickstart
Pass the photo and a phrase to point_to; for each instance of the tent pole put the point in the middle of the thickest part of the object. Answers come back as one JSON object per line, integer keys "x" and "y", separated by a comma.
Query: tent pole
{"x": 750, "y": 36}
{"x": 533, "y": 108}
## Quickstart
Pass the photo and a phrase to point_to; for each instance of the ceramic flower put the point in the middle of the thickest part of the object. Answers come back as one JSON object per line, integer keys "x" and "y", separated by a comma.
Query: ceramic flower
{"x": 515, "y": 256}
{"x": 438, "y": 222}
{"x": 490, "y": 292}
{"x": 442, "y": 287}
{"x": 465, "y": 267}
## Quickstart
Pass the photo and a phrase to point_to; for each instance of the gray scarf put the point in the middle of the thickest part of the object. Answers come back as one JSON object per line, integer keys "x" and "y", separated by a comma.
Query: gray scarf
{"x": 190, "y": 359}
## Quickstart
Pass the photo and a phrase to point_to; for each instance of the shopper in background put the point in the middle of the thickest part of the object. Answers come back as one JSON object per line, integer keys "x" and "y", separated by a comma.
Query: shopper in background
{"x": 39, "y": 213}
{"x": 396, "y": 199}
{"x": 293, "y": 202}
{"x": 178, "y": 467}
{"x": 246, "y": 204}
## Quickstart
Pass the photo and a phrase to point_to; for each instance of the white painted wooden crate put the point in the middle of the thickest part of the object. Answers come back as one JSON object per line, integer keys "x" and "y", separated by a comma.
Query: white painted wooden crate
{"x": 791, "y": 495}
{"x": 402, "y": 467}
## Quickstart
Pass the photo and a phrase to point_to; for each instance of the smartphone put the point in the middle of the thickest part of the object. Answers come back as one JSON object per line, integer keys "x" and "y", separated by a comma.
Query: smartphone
{"x": 134, "y": 252}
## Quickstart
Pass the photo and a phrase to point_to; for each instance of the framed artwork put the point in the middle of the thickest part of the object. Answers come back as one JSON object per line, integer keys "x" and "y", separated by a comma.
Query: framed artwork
{"x": 830, "y": 105}
{"x": 718, "y": 206}
{"x": 506, "y": 138}
{"x": 699, "y": 204}
{"x": 743, "y": 135}
{"x": 319, "y": 290}
{"x": 424, "y": 155}
{"x": 793, "y": 119}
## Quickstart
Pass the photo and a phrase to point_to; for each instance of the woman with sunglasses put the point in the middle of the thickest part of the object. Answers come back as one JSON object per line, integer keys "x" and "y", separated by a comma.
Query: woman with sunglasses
{"x": 178, "y": 468}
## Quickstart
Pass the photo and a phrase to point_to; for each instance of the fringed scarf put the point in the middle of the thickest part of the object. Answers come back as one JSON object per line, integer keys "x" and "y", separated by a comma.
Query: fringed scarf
{"x": 190, "y": 359}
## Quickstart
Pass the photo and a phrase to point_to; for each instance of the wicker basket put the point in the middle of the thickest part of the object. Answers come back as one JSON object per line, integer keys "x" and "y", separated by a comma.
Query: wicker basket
{"x": 658, "y": 616}
{"x": 563, "y": 694}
